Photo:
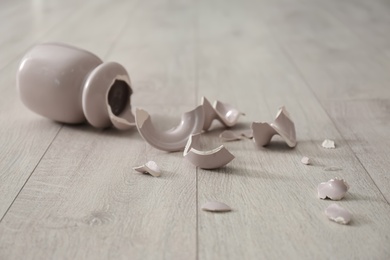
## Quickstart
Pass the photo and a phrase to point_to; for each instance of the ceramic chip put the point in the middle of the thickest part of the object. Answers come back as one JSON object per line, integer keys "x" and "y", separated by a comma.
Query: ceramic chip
{"x": 328, "y": 144}
{"x": 228, "y": 136}
{"x": 338, "y": 214}
{"x": 306, "y": 160}
{"x": 333, "y": 189}
{"x": 332, "y": 169}
{"x": 150, "y": 167}
{"x": 215, "y": 206}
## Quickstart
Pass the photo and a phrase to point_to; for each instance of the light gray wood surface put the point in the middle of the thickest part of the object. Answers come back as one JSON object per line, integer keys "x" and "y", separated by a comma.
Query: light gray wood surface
{"x": 69, "y": 192}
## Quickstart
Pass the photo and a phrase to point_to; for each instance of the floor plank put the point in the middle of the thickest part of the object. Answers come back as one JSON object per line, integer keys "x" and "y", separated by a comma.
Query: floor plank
{"x": 70, "y": 191}
{"x": 23, "y": 23}
{"x": 275, "y": 209}
{"x": 84, "y": 200}
{"x": 24, "y": 139}
{"x": 339, "y": 68}
{"x": 15, "y": 116}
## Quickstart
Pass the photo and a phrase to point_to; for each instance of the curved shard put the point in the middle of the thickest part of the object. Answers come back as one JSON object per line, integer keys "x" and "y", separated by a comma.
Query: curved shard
{"x": 225, "y": 113}
{"x": 282, "y": 125}
{"x": 174, "y": 139}
{"x": 210, "y": 159}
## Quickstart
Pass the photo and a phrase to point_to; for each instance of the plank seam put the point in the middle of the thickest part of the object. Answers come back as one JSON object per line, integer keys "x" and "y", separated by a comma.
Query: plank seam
{"x": 28, "y": 178}
{"x": 331, "y": 119}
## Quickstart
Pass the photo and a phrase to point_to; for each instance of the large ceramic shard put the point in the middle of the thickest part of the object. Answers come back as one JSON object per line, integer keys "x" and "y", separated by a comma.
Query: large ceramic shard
{"x": 225, "y": 113}
{"x": 174, "y": 139}
{"x": 282, "y": 125}
{"x": 210, "y": 159}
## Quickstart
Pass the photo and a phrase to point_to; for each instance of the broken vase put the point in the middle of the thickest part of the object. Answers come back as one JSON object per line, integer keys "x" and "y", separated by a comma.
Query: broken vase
{"x": 71, "y": 85}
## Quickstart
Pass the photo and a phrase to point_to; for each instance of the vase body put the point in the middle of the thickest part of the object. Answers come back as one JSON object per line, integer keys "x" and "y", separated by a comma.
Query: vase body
{"x": 71, "y": 85}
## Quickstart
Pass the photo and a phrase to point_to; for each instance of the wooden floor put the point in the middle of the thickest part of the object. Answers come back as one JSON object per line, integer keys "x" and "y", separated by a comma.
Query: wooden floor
{"x": 69, "y": 192}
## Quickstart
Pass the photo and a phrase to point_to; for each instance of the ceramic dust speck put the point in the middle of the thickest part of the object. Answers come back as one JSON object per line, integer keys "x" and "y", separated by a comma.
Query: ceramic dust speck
{"x": 71, "y": 85}
{"x": 215, "y": 206}
{"x": 328, "y": 144}
{"x": 210, "y": 159}
{"x": 282, "y": 125}
{"x": 333, "y": 189}
{"x": 174, "y": 139}
{"x": 150, "y": 167}
{"x": 306, "y": 160}
{"x": 225, "y": 113}
{"x": 338, "y": 214}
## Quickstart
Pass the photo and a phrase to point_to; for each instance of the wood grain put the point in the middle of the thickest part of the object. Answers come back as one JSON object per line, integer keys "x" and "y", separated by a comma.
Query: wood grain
{"x": 25, "y": 22}
{"x": 276, "y": 211}
{"x": 84, "y": 200}
{"x": 69, "y": 192}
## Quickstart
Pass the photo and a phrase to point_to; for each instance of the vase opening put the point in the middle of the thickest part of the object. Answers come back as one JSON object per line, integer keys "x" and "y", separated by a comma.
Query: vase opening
{"x": 118, "y": 96}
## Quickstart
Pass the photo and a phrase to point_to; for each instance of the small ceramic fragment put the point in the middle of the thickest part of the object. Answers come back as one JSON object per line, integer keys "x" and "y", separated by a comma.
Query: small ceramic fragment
{"x": 338, "y": 214}
{"x": 328, "y": 144}
{"x": 228, "y": 136}
{"x": 305, "y": 160}
{"x": 282, "y": 125}
{"x": 332, "y": 169}
{"x": 149, "y": 167}
{"x": 174, "y": 139}
{"x": 210, "y": 159}
{"x": 215, "y": 206}
{"x": 223, "y": 112}
{"x": 247, "y": 133}
{"x": 333, "y": 189}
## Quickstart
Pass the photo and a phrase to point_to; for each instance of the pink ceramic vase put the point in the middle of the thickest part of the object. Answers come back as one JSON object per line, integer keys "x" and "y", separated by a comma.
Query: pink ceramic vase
{"x": 71, "y": 85}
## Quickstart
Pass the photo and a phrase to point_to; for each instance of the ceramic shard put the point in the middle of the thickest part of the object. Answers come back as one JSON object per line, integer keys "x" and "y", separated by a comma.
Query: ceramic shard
{"x": 228, "y": 115}
{"x": 215, "y": 206}
{"x": 228, "y": 136}
{"x": 247, "y": 133}
{"x": 306, "y": 160}
{"x": 225, "y": 113}
{"x": 150, "y": 167}
{"x": 282, "y": 125}
{"x": 209, "y": 113}
{"x": 333, "y": 189}
{"x": 210, "y": 159}
{"x": 174, "y": 139}
{"x": 332, "y": 169}
{"x": 328, "y": 144}
{"x": 338, "y": 214}
{"x": 123, "y": 122}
